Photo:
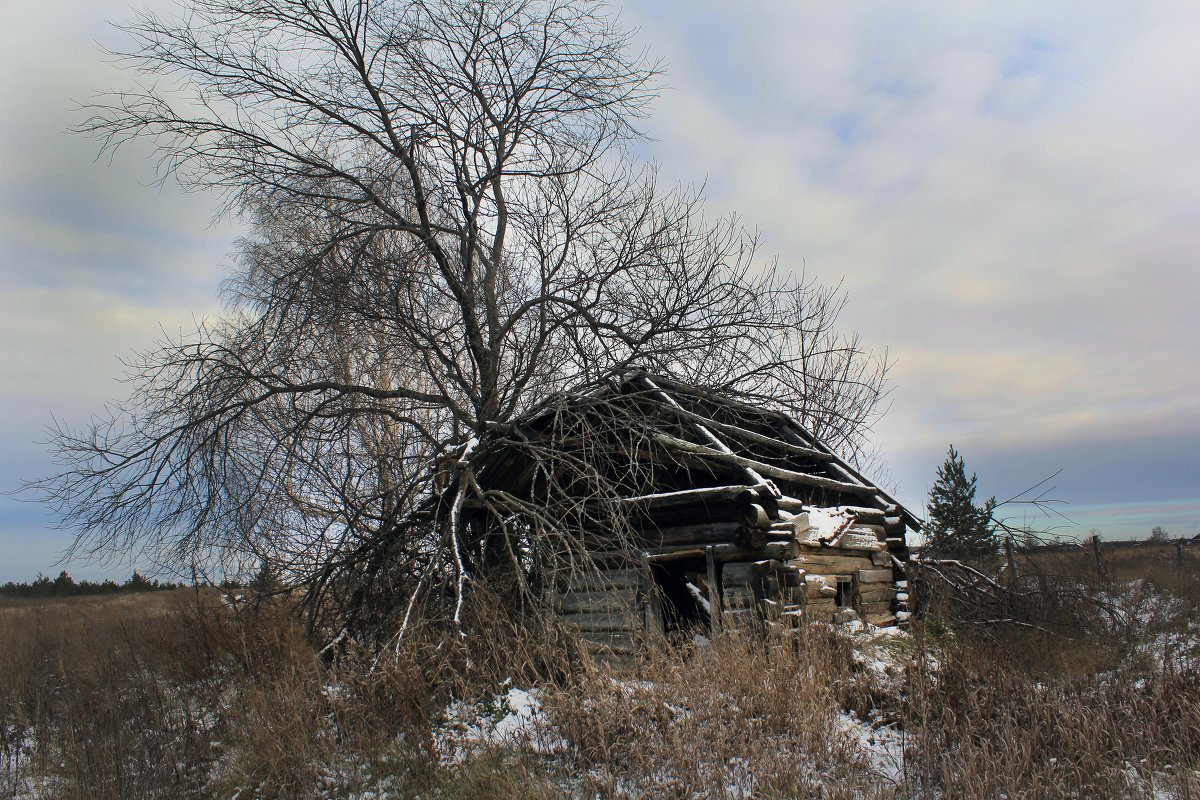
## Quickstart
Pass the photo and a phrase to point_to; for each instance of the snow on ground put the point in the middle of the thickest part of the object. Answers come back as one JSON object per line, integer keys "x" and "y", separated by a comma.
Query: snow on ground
{"x": 883, "y": 746}
{"x": 513, "y": 719}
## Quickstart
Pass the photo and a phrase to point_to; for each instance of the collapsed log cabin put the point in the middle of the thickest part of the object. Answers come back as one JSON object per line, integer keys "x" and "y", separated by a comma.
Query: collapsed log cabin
{"x": 729, "y": 514}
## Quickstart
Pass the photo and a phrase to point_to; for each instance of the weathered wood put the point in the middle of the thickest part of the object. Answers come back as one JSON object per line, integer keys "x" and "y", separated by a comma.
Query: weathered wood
{"x": 676, "y": 555}
{"x": 717, "y": 446}
{"x": 690, "y": 498}
{"x": 791, "y": 576}
{"x": 864, "y": 513}
{"x": 607, "y": 579}
{"x": 852, "y": 540}
{"x": 804, "y": 479}
{"x": 875, "y": 576}
{"x": 614, "y": 641}
{"x": 875, "y": 608}
{"x": 1099, "y": 556}
{"x": 606, "y": 621}
{"x": 705, "y": 533}
{"x": 881, "y": 558}
{"x": 754, "y": 538}
{"x": 594, "y": 600}
{"x": 830, "y": 564}
{"x": 725, "y": 552}
{"x": 884, "y": 592}
{"x": 715, "y": 613}
{"x": 746, "y": 572}
{"x": 745, "y": 435}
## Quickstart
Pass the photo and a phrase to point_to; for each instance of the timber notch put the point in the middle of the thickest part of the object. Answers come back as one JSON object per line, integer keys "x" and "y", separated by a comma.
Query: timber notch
{"x": 687, "y": 511}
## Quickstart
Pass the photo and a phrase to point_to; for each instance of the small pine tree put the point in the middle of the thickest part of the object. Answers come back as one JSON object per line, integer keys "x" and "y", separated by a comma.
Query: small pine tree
{"x": 956, "y": 526}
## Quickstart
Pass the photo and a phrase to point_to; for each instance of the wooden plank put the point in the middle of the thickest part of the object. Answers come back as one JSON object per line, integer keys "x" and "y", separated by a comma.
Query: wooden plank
{"x": 875, "y": 576}
{"x": 831, "y": 565}
{"x": 804, "y": 479}
{"x": 602, "y": 621}
{"x": 689, "y": 498}
{"x": 605, "y": 579}
{"x": 791, "y": 576}
{"x": 594, "y": 600}
{"x": 725, "y": 552}
{"x": 875, "y": 608}
{"x": 885, "y": 595}
{"x": 855, "y": 539}
{"x": 617, "y": 642}
{"x": 702, "y": 533}
{"x": 746, "y": 572}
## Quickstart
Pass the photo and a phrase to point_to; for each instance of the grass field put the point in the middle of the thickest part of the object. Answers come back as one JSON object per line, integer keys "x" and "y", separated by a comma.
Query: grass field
{"x": 178, "y": 695}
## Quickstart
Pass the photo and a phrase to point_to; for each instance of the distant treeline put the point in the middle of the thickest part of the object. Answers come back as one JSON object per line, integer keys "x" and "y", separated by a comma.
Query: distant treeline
{"x": 65, "y": 586}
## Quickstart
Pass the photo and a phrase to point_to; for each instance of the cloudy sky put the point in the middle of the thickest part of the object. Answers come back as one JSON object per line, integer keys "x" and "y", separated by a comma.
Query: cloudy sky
{"x": 1009, "y": 193}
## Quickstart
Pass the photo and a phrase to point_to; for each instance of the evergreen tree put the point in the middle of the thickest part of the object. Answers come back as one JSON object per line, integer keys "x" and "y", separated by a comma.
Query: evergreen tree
{"x": 956, "y": 526}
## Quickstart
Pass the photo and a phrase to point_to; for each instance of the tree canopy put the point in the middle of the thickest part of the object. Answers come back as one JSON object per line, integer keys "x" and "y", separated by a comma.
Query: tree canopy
{"x": 445, "y": 232}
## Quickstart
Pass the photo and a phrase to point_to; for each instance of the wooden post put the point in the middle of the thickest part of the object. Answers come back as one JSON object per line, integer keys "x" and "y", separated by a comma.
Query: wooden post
{"x": 1179, "y": 555}
{"x": 1099, "y": 554}
{"x": 714, "y": 591}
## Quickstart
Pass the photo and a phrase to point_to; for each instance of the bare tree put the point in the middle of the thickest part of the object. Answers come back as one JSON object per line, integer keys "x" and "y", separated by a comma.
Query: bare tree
{"x": 446, "y": 235}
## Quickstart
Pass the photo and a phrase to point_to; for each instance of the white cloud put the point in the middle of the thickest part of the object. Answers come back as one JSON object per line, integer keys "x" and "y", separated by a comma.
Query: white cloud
{"x": 1012, "y": 192}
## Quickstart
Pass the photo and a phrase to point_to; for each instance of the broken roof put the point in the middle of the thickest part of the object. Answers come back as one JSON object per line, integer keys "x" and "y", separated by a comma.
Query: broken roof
{"x": 708, "y": 438}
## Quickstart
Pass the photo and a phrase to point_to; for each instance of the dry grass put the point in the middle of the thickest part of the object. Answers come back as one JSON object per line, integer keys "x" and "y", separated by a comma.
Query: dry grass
{"x": 736, "y": 716}
{"x": 176, "y": 695}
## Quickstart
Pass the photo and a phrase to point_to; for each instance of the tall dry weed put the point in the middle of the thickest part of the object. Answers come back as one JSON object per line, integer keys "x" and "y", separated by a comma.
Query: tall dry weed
{"x": 737, "y": 717}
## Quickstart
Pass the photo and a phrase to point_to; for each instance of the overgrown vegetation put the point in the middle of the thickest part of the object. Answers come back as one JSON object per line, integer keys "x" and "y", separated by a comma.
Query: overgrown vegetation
{"x": 180, "y": 694}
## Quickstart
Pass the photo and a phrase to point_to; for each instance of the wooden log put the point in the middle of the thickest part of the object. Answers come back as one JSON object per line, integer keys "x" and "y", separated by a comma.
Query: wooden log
{"x": 885, "y": 594}
{"x": 880, "y": 620}
{"x": 724, "y": 552}
{"x": 704, "y": 533}
{"x": 745, "y": 435}
{"x": 831, "y": 564}
{"x": 875, "y": 608}
{"x": 853, "y": 540}
{"x": 875, "y": 576}
{"x": 594, "y": 600}
{"x": 753, "y": 538}
{"x": 881, "y": 558}
{"x": 691, "y": 498}
{"x": 613, "y": 641}
{"x": 865, "y": 514}
{"x": 606, "y": 579}
{"x": 747, "y": 510}
{"x": 791, "y": 576}
{"x": 747, "y": 572}
{"x": 804, "y": 479}
{"x": 606, "y": 621}
{"x": 677, "y": 555}
{"x": 878, "y": 531}
{"x": 758, "y": 517}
